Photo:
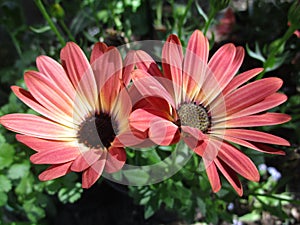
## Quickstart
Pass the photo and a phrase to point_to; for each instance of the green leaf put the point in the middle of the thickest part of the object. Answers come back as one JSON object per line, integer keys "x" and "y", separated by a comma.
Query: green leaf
{"x": 3, "y": 198}
{"x": 149, "y": 211}
{"x": 257, "y": 54}
{"x": 250, "y": 217}
{"x": 5, "y": 184}
{"x": 136, "y": 176}
{"x": 40, "y": 30}
{"x": 26, "y": 185}
{"x": 6, "y": 155}
{"x": 33, "y": 211}
{"x": 19, "y": 170}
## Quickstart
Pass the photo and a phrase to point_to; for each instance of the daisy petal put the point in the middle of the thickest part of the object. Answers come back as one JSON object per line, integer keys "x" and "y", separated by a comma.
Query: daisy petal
{"x": 98, "y": 50}
{"x": 85, "y": 159}
{"x": 213, "y": 176}
{"x": 251, "y": 93}
{"x": 230, "y": 175}
{"x": 33, "y": 125}
{"x": 238, "y": 162}
{"x": 55, "y": 171}
{"x": 163, "y": 132}
{"x": 255, "y": 120}
{"x": 55, "y": 156}
{"x": 116, "y": 158}
{"x": 172, "y": 60}
{"x": 256, "y": 136}
{"x": 31, "y": 102}
{"x": 241, "y": 79}
{"x": 92, "y": 174}
{"x": 146, "y": 63}
{"x": 39, "y": 145}
{"x": 55, "y": 72}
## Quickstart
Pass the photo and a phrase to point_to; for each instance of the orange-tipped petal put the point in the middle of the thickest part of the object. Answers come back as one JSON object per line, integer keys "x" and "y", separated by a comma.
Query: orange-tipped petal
{"x": 55, "y": 171}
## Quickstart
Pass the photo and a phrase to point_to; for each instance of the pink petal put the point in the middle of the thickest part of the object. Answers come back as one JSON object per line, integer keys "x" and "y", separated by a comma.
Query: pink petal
{"x": 238, "y": 162}
{"x": 193, "y": 137}
{"x": 255, "y": 136}
{"x": 129, "y": 65}
{"x": 146, "y": 63}
{"x": 108, "y": 74}
{"x": 39, "y": 145}
{"x": 92, "y": 174}
{"x": 74, "y": 62}
{"x": 198, "y": 45}
{"x": 269, "y": 102}
{"x": 31, "y": 102}
{"x": 256, "y": 146}
{"x": 251, "y": 94}
{"x": 116, "y": 158}
{"x": 163, "y": 132}
{"x": 98, "y": 50}
{"x": 255, "y": 120}
{"x": 172, "y": 60}
{"x": 49, "y": 95}
{"x": 141, "y": 119}
{"x": 132, "y": 138}
{"x": 85, "y": 159}
{"x": 241, "y": 79}
{"x": 33, "y": 125}
{"x": 230, "y": 175}
{"x": 55, "y": 156}
{"x": 148, "y": 86}
{"x": 55, "y": 171}
{"x": 212, "y": 175}
{"x": 56, "y": 73}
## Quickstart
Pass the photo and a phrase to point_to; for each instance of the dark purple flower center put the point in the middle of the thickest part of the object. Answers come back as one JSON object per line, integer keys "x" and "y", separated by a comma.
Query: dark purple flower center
{"x": 97, "y": 131}
{"x": 194, "y": 116}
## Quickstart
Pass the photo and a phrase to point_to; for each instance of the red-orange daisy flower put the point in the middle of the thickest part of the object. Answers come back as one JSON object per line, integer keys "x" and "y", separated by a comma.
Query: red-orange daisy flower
{"x": 84, "y": 107}
{"x": 206, "y": 105}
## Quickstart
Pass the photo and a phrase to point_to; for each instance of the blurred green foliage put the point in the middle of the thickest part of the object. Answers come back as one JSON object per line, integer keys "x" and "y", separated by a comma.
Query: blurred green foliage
{"x": 262, "y": 27}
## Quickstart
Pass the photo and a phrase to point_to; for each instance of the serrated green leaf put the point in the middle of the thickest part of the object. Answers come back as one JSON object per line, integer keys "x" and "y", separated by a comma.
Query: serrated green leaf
{"x": 6, "y": 155}
{"x": 26, "y": 185}
{"x": 19, "y": 170}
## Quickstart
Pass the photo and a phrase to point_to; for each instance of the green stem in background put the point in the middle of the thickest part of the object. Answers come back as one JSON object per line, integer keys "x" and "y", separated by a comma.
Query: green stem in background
{"x": 159, "y": 7}
{"x": 66, "y": 29}
{"x": 211, "y": 16}
{"x": 50, "y": 22}
{"x": 181, "y": 20}
{"x": 16, "y": 44}
{"x": 274, "y": 51}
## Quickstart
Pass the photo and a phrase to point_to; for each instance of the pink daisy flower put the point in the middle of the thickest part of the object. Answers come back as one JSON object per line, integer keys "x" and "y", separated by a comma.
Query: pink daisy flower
{"x": 84, "y": 109}
{"x": 202, "y": 102}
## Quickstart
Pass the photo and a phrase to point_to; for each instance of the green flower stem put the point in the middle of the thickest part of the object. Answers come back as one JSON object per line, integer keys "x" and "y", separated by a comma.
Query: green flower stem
{"x": 66, "y": 29}
{"x": 211, "y": 16}
{"x": 181, "y": 20}
{"x": 50, "y": 22}
{"x": 275, "y": 197}
{"x": 274, "y": 51}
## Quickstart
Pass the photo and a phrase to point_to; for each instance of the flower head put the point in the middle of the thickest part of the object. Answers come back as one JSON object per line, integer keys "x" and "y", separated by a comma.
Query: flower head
{"x": 84, "y": 109}
{"x": 202, "y": 102}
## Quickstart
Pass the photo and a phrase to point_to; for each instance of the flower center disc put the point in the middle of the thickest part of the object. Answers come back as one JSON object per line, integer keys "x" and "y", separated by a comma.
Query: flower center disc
{"x": 194, "y": 116}
{"x": 97, "y": 131}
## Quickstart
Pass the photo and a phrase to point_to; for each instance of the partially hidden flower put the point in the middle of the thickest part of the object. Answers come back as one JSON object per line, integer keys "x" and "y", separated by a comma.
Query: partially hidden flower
{"x": 84, "y": 108}
{"x": 203, "y": 103}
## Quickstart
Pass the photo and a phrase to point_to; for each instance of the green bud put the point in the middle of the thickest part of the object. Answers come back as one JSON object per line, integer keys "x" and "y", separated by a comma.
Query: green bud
{"x": 57, "y": 11}
{"x": 218, "y": 5}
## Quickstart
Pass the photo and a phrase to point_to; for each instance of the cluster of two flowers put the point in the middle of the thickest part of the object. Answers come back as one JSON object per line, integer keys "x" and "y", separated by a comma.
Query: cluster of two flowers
{"x": 89, "y": 112}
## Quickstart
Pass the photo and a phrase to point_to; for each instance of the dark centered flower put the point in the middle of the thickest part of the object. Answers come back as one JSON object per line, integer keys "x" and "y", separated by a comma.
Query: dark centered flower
{"x": 194, "y": 115}
{"x": 85, "y": 108}
{"x": 205, "y": 104}
{"x": 97, "y": 131}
